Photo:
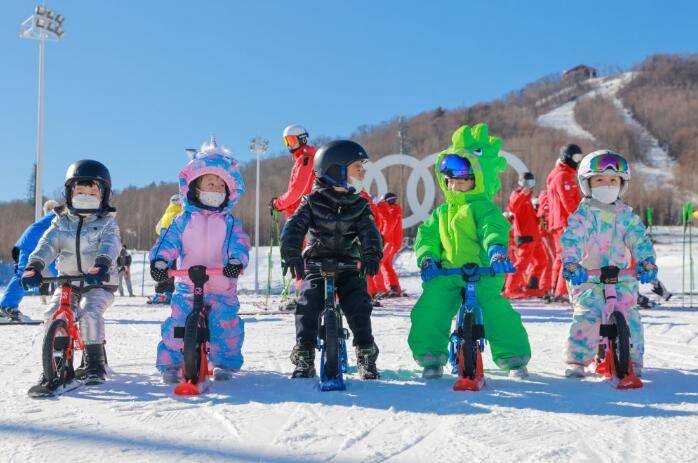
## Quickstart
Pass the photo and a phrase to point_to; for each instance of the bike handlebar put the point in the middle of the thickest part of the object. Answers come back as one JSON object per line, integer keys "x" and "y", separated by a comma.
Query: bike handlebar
{"x": 64, "y": 278}
{"x": 315, "y": 264}
{"x": 595, "y": 272}
{"x": 185, "y": 272}
{"x": 463, "y": 270}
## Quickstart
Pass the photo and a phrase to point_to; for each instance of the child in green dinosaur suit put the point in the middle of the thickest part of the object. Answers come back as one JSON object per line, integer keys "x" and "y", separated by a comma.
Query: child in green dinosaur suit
{"x": 468, "y": 228}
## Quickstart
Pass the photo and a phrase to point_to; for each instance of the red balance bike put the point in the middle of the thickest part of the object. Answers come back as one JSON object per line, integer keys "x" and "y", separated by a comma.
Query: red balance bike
{"x": 615, "y": 344}
{"x": 195, "y": 334}
{"x": 61, "y": 340}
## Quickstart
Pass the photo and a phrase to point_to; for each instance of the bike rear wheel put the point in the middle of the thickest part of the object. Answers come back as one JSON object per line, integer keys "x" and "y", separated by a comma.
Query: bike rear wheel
{"x": 57, "y": 353}
{"x": 332, "y": 344}
{"x": 620, "y": 345}
{"x": 191, "y": 349}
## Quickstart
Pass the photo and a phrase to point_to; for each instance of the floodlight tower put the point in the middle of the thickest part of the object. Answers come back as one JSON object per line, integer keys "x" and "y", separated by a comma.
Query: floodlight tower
{"x": 259, "y": 146}
{"x": 43, "y": 25}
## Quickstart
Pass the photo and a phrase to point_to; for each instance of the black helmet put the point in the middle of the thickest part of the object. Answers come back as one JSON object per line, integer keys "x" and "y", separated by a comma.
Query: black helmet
{"x": 390, "y": 197}
{"x": 88, "y": 170}
{"x": 569, "y": 152}
{"x": 332, "y": 159}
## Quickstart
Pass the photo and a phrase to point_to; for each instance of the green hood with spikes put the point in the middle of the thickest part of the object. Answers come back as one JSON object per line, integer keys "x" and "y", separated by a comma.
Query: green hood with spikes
{"x": 462, "y": 230}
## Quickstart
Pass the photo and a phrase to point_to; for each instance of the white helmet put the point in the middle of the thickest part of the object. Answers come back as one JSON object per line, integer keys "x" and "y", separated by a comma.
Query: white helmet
{"x": 603, "y": 162}
{"x": 295, "y": 136}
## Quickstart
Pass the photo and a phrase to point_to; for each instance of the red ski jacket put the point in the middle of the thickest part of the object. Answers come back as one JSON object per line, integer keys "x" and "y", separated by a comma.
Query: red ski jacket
{"x": 377, "y": 213}
{"x": 391, "y": 226}
{"x": 563, "y": 195}
{"x": 525, "y": 219}
{"x": 300, "y": 183}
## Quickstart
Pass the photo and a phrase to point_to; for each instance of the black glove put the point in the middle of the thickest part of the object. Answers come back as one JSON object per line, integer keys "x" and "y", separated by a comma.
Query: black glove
{"x": 32, "y": 281}
{"x": 296, "y": 266}
{"x": 232, "y": 269}
{"x": 272, "y": 208}
{"x": 93, "y": 279}
{"x": 158, "y": 270}
{"x": 370, "y": 266}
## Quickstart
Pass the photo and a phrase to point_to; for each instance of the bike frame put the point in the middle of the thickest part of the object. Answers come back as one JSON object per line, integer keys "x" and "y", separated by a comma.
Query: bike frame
{"x": 65, "y": 310}
{"x": 328, "y": 269}
{"x": 187, "y": 386}
{"x": 611, "y": 298}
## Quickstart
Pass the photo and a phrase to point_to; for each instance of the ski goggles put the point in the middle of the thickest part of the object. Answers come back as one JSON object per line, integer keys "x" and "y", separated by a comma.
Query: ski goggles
{"x": 606, "y": 161}
{"x": 295, "y": 141}
{"x": 454, "y": 166}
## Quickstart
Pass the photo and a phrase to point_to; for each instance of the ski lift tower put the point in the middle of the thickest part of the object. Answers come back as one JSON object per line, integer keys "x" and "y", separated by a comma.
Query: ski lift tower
{"x": 259, "y": 146}
{"x": 43, "y": 25}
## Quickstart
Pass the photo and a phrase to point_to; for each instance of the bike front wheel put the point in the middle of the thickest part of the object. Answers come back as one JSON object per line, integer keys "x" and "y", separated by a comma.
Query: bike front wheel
{"x": 57, "y": 353}
{"x": 620, "y": 345}
{"x": 191, "y": 349}
{"x": 332, "y": 344}
{"x": 468, "y": 349}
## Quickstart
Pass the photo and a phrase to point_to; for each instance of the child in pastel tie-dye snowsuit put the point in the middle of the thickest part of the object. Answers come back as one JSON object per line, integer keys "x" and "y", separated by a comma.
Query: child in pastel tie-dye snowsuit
{"x": 209, "y": 236}
{"x": 598, "y": 235}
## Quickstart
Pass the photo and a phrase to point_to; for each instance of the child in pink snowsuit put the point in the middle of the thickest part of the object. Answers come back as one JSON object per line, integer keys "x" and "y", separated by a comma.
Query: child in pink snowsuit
{"x": 205, "y": 233}
{"x": 603, "y": 231}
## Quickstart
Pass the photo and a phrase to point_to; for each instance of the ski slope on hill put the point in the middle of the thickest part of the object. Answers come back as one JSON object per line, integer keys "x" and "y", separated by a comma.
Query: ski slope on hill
{"x": 658, "y": 166}
{"x": 263, "y": 416}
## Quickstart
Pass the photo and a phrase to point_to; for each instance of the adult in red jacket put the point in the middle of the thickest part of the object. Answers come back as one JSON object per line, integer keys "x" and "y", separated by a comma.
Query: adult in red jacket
{"x": 301, "y": 181}
{"x": 391, "y": 231}
{"x": 376, "y": 284}
{"x": 530, "y": 255}
{"x": 302, "y": 174}
{"x": 563, "y": 200}
{"x": 542, "y": 208}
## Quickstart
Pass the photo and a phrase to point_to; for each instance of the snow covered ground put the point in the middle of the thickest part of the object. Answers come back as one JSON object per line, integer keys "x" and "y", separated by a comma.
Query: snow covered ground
{"x": 263, "y": 416}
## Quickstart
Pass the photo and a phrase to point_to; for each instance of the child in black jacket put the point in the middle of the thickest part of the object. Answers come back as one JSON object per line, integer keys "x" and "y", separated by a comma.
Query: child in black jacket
{"x": 339, "y": 225}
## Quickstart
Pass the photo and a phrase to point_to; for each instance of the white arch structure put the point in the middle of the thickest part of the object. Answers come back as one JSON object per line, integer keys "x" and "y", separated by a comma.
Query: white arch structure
{"x": 421, "y": 171}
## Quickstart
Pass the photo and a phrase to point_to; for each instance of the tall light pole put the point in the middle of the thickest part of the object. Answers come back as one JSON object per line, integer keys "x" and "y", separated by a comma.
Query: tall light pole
{"x": 259, "y": 146}
{"x": 43, "y": 25}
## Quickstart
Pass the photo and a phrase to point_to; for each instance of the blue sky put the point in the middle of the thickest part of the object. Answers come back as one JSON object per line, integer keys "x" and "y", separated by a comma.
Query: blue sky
{"x": 135, "y": 82}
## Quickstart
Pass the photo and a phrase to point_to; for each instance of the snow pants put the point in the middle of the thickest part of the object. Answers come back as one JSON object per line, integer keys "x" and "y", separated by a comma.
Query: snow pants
{"x": 14, "y": 291}
{"x": 125, "y": 275}
{"x": 93, "y": 304}
{"x": 226, "y": 329}
{"x": 353, "y": 297}
{"x": 439, "y": 303}
{"x": 588, "y": 301}
{"x": 559, "y": 285}
{"x": 546, "y": 279}
{"x": 387, "y": 270}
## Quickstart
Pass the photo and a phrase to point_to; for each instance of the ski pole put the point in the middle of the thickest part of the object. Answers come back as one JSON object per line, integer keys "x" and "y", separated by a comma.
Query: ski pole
{"x": 269, "y": 255}
{"x": 284, "y": 286}
{"x": 689, "y": 219}
{"x": 143, "y": 276}
{"x": 649, "y": 223}
{"x": 683, "y": 256}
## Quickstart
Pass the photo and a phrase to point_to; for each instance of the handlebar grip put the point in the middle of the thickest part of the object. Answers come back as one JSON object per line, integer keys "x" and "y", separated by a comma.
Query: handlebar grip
{"x": 185, "y": 272}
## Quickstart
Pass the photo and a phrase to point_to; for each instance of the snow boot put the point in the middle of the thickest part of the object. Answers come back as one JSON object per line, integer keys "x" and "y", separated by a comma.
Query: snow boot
{"x": 95, "y": 366}
{"x": 80, "y": 371}
{"x": 519, "y": 372}
{"x": 366, "y": 360}
{"x": 290, "y": 306}
{"x": 433, "y": 372}
{"x": 303, "y": 357}
{"x": 375, "y": 302}
{"x": 43, "y": 388}
{"x": 172, "y": 375}
{"x": 644, "y": 302}
{"x": 222, "y": 374}
{"x": 13, "y": 314}
{"x": 575, "y": 371}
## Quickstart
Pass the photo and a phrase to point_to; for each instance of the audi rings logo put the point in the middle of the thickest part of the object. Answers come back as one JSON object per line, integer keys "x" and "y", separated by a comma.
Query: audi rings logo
{"x": 421, "y": 172}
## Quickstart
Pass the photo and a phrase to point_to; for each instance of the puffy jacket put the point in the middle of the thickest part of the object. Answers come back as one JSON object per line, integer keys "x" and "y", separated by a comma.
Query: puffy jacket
{"x": 525, "y": 219}
{"x": 124, "y": 259}
{"x": 172, "y": 211}
{"x": 600, "y": 234}
{"x": 79, "y": 243}
{"x": 461, "y": 230}
{"x": 563, "y": 195}
{"x": 338, "y": 225}
{"x": 200, "y": 236}
{"x": 301, "y": 181}
{"x": 391, "y": 225}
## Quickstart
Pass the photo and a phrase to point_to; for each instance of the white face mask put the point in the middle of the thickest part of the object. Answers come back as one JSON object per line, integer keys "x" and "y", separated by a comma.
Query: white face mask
{"x": 605, "y": 194}
{"x": 85, "y": 202}
{"x": 211, "y": 198}
{"x": 357, "y": 185}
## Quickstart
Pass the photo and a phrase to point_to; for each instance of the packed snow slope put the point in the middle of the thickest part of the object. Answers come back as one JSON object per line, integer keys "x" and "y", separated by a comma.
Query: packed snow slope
{"x": 262, "y": 415}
